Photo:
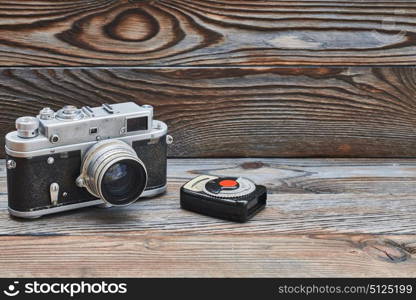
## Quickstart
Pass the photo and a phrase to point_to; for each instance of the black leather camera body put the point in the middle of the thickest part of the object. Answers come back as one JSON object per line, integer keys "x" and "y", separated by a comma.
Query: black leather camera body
{"x": 110, "y": 155}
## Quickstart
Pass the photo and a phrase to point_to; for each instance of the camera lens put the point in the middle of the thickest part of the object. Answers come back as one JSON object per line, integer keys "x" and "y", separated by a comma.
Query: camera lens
{"x": 123, "y": 181}
{"x": 112, "y": 171}
{"x": 117, "y": 179}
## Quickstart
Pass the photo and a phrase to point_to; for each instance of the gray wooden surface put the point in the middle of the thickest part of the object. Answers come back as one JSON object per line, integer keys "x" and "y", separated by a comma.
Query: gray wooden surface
{"x": 325, "y": 217}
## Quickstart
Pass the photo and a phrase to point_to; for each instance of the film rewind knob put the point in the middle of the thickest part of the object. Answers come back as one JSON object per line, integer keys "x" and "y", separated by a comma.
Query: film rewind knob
{"x": 27, "y": 127}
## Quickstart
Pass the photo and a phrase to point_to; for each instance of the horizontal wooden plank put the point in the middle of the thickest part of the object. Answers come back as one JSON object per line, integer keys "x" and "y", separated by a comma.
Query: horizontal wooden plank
{"x": 214, "y": 256}
{"x": 295, "y": 214}
{"x": 305, "y": 197}
{"x": 207, "y": 32}
{"x": 234, "y": 112}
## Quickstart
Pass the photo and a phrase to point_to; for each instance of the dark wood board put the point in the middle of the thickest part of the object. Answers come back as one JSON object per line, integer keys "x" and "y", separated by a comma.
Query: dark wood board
{"x": 325, "y": 217}
{"x": 234, "y": 78}
{"x": 241, "y": 111}
{"x": 207, "y": 32}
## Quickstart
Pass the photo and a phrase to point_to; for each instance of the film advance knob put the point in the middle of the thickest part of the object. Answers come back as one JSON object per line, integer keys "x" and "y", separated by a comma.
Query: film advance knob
{"x": 27, "y": 127}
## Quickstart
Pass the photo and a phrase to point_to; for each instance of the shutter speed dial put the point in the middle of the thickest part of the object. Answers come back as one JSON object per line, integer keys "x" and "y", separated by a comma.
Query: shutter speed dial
{"x": 69, "y": 113}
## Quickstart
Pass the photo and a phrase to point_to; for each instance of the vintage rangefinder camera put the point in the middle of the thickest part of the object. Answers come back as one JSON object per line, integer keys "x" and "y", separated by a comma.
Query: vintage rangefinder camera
{"x": 109, "y": 155}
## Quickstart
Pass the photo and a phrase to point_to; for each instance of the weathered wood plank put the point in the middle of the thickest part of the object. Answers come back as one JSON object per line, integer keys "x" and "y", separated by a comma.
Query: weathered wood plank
{"x": 306, "y": 197}
{"x": 324, "y": 218}
{"x": 287, "y": 213}
{"x": 207, "y": 32}
{"x": 250, "y": 255}
{"x": 232, "y": 112}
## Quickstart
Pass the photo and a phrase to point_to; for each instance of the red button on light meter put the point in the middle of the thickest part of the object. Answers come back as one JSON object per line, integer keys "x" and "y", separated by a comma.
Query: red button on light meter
{"x": 228, "y": 183}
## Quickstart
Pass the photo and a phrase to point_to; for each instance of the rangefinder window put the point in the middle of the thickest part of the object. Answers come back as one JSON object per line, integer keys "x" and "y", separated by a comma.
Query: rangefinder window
{"x": 136, "y": 124}
{"x": 93, "y": 130}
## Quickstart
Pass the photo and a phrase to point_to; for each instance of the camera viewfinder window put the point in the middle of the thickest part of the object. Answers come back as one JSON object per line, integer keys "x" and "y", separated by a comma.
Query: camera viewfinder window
{"x": 135, "y": 124}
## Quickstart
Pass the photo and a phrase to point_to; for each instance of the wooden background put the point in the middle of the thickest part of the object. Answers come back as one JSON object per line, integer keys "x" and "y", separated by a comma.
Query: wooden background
{"x": 207, "y": 32}
{"x": 231, "y": 78}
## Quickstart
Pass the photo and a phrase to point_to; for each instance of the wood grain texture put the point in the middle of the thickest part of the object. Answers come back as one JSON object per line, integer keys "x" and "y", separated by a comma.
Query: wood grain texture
{"x": 325, "y": 217}
{"x": 241, "y": 112}
{"x": 206, "y": 256}
{"x": 207, "y": 32}
{"x": 305, "y": 197}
